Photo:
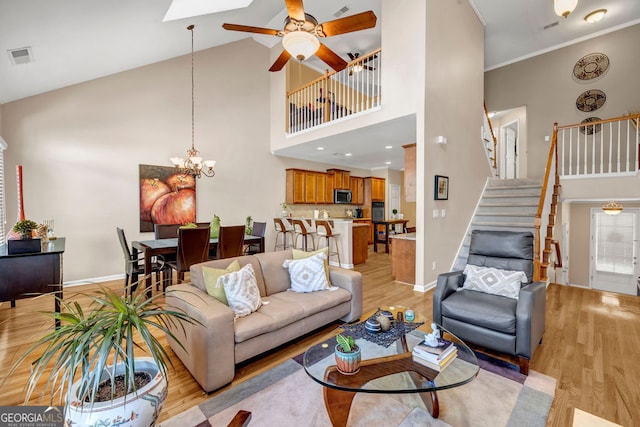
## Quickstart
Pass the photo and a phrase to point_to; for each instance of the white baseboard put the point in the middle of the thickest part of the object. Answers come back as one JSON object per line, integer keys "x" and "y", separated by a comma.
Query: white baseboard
{"x": 425, "y": 287}
{"x": 94, "y": 280}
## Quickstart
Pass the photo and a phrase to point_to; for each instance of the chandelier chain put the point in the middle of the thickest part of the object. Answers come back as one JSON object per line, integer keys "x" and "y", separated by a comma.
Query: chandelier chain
{"x": 193, "y": 102}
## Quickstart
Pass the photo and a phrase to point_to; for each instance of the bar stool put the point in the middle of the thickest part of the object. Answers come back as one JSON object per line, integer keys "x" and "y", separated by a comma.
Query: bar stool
{"x": 325, "y": 230}
{"x": 300, "y": 229}
{"x": 282, "y": 229}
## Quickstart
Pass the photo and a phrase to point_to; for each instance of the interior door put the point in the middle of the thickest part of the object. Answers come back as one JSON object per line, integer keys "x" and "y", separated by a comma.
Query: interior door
{"x": 614, "y": 251}
{"x": 509, "y": 150}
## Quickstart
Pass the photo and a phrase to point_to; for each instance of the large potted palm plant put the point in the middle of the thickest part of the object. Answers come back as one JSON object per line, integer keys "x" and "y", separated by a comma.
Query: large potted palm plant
{"x": 96, "y": 348}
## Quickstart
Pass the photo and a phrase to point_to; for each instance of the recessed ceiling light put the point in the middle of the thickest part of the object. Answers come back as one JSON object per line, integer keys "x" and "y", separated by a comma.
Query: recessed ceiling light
{"x": 388, "y": 147}
{"x": 347, "y": 154}
{"x": 320, "y": 148}
{"x": 387, "y": 163}
{"x": 595, "y": 16}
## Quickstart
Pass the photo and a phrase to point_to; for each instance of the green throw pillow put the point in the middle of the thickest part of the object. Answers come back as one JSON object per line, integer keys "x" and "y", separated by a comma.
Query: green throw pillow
{"x": 211, "y": 276}
{"x": 298, "y": 254}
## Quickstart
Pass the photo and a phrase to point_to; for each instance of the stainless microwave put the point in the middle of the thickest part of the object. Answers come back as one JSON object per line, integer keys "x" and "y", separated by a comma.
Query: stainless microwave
{"x": 341, "y": 196}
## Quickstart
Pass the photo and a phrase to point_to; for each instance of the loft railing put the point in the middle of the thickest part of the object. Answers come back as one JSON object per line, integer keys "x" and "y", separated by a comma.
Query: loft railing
{"x": 336, "y": 95}
{"x": 490, "y": 145}
{"x": 600, "y": 148}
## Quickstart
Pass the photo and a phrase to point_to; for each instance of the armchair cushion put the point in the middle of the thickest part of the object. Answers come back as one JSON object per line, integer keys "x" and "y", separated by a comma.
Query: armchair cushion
{"x": 493, "y": 281}
{"x": 480, "y": 309}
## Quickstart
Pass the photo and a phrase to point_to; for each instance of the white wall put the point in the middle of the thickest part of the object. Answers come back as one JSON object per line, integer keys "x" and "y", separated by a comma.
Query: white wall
{"x": 80, "y": 148}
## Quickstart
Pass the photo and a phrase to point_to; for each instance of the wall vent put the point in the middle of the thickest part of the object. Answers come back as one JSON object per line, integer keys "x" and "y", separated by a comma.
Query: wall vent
{"x": 553, "y": 24}
{"x": 341, "y": 12}
{"x": 21, "y": 55}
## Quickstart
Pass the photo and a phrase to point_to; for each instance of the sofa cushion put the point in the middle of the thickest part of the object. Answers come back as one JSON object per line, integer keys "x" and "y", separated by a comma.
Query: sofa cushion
{"x": 493, "y": 281}
{"x": 307, "y": 274}
{"x": 299, "y": 254}
{"x": 211, "y": 276}
{"x": 241, "y": 290}
{"x": 197, "y": 277}
{"x": 485, "y": 310}
{"x": 276, "y": 277}
{"x": 315, "y": 302}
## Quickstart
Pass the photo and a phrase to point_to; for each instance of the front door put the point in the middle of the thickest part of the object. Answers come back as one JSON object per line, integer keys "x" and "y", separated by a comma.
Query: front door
{"x": 614, "y": 251}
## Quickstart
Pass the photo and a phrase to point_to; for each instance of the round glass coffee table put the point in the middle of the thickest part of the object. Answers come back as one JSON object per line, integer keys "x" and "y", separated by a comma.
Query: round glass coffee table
{"x": 387, "y": 366}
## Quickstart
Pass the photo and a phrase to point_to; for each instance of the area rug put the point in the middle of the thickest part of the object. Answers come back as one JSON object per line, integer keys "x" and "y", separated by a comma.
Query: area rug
{"x": 287, "y": 396}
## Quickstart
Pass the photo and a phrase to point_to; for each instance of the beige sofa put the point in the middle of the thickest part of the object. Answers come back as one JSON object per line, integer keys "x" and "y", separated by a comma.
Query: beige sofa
{"x": 212, "y": 351}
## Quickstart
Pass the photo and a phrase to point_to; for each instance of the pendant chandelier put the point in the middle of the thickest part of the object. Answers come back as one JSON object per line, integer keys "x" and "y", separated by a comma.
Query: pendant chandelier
{"x": 612, "y": 208}
{"x": 564, "y": 7}
{"x": 193, "y": 165}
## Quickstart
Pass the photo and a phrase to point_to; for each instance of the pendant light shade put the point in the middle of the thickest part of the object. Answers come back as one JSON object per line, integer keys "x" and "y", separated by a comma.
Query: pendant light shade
{"x": 300, "y": 44}
{"x": 612, "y": 208}
{"x": 564, "y": 7}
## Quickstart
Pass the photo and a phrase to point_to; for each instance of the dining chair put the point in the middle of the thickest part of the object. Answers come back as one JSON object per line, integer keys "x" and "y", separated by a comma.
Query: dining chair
{"x": 193, "y": 248}
{"x": 258, "y": 230}
{"x": 166, "y": 231}
{"x": 282, "y": 230}
{"x": 302, "y": 229}
{"x": 230, "y": 241}
{"x": 134, "y": 266}
{"x": 325, "y": 230}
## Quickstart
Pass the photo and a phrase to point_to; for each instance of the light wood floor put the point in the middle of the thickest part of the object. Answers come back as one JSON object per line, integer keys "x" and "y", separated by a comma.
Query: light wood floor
{"x": 591, "y": 346}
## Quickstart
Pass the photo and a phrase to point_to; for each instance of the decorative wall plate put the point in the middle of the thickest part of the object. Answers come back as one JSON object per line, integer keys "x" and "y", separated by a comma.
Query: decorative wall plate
{"x": 591, "y": 66}
{"x": 589, "y": 130}
{"x": 590, "y": 100}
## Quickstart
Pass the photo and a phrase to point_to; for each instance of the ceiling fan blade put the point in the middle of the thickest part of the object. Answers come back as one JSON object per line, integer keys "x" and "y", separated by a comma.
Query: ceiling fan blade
{"x": 295, "y": 9}
{"x": 357, "y": 22}
{"x": 352, "y": 56}
{"x": 366, "y": 67}
{"x": 331, "y": 58}
{"x": 249, "y": 29}
{"x": 281, "y": 61}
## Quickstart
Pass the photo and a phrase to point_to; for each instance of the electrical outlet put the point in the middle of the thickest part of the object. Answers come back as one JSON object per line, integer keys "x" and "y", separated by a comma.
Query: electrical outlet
{"x": 435, "y": 213}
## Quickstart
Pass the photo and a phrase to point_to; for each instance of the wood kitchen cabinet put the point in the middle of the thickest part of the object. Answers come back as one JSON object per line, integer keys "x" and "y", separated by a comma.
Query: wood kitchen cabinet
{"x": 305, "y": 186}
{"x": 357, "y": 190}
{"x": 295, "y": 186}
{"x": 376, "y": 187}
{"x": 341, "y": 178}
{"x": 369, "y": 229}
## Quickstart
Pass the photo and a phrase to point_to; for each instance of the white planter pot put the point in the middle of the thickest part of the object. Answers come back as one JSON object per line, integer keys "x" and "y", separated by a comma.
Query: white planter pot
{"x": 136, "y": 409}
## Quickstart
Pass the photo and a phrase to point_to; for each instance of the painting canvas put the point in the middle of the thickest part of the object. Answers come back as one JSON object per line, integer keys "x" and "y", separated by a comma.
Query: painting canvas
{"x": 441, "y": 188}
{"x": 166, "y": 197}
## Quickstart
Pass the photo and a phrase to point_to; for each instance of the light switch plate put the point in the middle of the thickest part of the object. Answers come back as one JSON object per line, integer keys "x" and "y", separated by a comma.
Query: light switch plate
{"x": 442, "y": 213}
{"x": 435, "y": 213}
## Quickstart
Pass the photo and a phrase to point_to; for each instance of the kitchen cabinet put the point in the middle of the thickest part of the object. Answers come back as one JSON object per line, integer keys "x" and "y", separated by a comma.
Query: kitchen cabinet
{"x": 305, "y": 186}
{"x": 357, "y": 190}
{"x": 323, "y": 194}
{"x": 377, "y": 189}
{"x": 409, "y": 172}
{"x": 360, "y": 237}
{"x": 366, "y": 221}
{"x": 341, "y": 178}
{"x": 295, "y": 186}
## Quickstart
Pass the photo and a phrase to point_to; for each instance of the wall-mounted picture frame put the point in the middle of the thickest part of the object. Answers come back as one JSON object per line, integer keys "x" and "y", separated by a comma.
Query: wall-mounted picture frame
{"x": 441, "y": 188}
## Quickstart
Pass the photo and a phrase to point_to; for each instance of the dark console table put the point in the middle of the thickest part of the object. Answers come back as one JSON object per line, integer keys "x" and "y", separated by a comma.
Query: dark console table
{"x": 32, "y": 274}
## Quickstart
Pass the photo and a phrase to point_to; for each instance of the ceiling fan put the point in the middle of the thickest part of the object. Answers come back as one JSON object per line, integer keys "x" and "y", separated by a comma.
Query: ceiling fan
{"x": 301, "y": 32}
{"x": 360, "y": 65}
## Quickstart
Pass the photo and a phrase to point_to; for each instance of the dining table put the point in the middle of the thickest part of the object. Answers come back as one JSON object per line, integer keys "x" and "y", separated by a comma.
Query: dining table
{"x": 159, "y": 247}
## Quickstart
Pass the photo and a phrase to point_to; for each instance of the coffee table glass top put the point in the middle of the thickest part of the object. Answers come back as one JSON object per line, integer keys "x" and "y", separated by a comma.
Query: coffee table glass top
{"x": 391, "y": 369}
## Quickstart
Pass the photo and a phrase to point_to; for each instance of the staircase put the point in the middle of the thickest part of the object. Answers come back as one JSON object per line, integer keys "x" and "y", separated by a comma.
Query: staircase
{"x": 490, "y": 143}
{"x": 506, "y": 204}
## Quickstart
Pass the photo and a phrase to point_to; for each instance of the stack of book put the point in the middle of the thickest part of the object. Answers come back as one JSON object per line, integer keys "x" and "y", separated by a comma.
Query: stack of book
{"x": 436, "y": 358}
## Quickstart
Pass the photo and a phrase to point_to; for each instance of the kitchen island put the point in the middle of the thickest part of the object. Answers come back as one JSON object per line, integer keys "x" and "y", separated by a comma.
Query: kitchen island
{"x": 351, "y": 240}
{"x": 403, "y": 257}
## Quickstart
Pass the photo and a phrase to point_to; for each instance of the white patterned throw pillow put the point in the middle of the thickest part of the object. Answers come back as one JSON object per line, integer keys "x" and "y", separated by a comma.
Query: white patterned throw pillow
{"x": 241, "y": 289}
{"x": 307, "y": 274}
{"x": 494, "y": 281}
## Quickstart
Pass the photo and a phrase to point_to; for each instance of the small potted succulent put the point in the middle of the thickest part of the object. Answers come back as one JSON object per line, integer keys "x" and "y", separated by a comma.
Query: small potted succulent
{"x": 284, "y": 207}
{"x": 347, "y": 355}
{"x": 25, "y": 228}
{"x": 395, "y": 213}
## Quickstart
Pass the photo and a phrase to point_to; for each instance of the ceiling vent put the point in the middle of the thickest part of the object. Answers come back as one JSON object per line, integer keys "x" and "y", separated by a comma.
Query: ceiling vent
{"x": 341, "y": 12}
{"x": 22, "y": 55}
{"x": 553, "y": 24}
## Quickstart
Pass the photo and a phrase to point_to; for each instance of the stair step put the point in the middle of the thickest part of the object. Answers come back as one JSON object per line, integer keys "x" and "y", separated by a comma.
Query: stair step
{"x": 501, "y": 225}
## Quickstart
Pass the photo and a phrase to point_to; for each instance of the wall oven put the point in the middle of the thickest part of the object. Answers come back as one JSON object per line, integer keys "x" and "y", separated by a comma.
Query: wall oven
{"x": 377, "y": 211}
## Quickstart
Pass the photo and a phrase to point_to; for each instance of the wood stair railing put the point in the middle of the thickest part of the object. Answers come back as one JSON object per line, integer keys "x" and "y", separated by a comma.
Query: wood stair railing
{"x": 494, "y": 152}
{"x": 541, "y": 264}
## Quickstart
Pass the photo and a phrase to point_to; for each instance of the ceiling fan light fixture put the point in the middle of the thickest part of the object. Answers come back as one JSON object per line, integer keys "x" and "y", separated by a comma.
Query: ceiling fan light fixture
{"x": 595, "y": 16}
{"x": 300, "y": 44}
{"x": 357, "y": 68}
{"x": 564, "y": 7}
{"x": 612, "y": 208}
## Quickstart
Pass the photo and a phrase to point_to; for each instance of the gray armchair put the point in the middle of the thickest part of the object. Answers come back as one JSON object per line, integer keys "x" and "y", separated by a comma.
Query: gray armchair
{"x": 507, "y": 325}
